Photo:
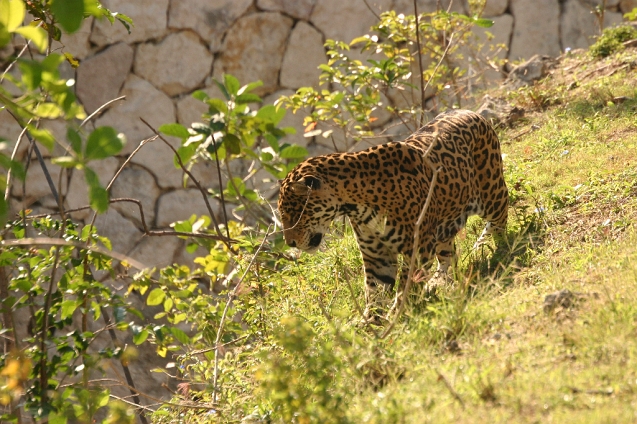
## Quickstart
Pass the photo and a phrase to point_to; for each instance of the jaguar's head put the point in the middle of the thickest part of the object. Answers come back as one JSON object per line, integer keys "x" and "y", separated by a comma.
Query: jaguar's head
{"x": 307, "y": 206}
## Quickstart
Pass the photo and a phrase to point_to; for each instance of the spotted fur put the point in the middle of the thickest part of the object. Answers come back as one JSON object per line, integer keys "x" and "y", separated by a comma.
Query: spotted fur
{"x": 383, "y": 189}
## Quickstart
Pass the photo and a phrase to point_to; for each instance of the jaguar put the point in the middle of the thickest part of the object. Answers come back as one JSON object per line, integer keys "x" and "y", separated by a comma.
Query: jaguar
{"x": 382, "y": 190}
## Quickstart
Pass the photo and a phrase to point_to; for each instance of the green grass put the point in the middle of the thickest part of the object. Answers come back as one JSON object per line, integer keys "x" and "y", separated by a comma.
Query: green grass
{"x": 484, "y": 350}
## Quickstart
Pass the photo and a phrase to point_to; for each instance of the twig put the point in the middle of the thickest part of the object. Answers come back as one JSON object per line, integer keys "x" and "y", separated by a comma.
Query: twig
{"x": 447, "y": 384}
{"x": 223, "y": 199}
{"x": 222, "y": 323}
{"x": 48, "y": 241}
{"x": 237, "y": 340}
{"x": 119, "y": 171}
{"x": 606, "y": 392}
{"x": 147, "y": 232}
{"x": 444, "y": 54}
{"x": 127, "y": 374}
{"x": 13, "y": 155}
{"x": 101, "y": 108}
{"x": 415, "y": 251}
{"x": 194, "y": 180}
{"x": 422, "y": 77}
{"x": 371, "y": 10}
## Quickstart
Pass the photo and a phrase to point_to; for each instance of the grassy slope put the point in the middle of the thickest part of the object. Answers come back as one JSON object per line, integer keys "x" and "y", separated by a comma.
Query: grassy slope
{"x": 485, "y": 350}
{"x": 489, "y": 352}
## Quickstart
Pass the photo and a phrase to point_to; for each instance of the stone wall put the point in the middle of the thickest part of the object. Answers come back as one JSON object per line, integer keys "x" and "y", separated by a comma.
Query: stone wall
{"x": 178, "y": 46}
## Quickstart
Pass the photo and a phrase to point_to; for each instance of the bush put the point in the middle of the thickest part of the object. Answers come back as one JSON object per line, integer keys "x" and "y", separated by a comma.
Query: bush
{"x": 612, "y": 40}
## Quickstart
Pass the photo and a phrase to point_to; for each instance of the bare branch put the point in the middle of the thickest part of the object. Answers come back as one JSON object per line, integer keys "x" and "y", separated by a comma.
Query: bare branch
{"x": 194, "y": 180}
{"x": 231, "y": 296}
{"x": 400, "y": 298}
{"x": 100, "y": 109}
{"x": 48, "y": 241}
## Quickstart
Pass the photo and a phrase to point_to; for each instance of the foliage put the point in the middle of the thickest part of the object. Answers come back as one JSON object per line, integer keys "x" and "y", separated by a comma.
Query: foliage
{"x": 612, "y": 40}
{"x": 403, "y": 62}
{"x": 233, "y": 131}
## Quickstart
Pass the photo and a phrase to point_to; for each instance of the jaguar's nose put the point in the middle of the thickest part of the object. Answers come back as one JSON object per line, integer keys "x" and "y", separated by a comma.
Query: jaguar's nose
{"x": 292, "y": 243}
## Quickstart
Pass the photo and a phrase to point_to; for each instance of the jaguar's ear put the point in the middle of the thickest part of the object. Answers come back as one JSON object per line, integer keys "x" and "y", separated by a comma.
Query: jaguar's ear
{"x": 305, "y": 184}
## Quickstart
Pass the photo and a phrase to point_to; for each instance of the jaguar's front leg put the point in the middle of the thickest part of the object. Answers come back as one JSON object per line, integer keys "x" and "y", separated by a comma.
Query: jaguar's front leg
{"x": 380, "y": 277}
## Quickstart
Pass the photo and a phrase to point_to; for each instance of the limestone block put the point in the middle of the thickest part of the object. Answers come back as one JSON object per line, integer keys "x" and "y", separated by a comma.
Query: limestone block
{"x": 37, "y": 186}
{"x": 210, "y": 19}
{"x": 77, "y": 43}
{"x": 122, "y": 232}
{"x": 10, "y": 131}
{"x": 177, "y": 64}
{"x": 77, "y": 194}
{"x": 180, "y": 205}
{"x": 501, "y": 31}
{"x": 157, "y": 158}
{"x": 336, "y": 140}
{"x": 254, "y": 48}
{"x": 380, "y": 116}
{"x": 627, "y": 5}
{"x": 316, "y": 149}
{"x": 136, "y": 183}
{"x": 265, "y": 184}
{"x": 142, "y": 100}
{"x": 493, "y": 8}
{"x": 149, "y": 20}
{"x": 189, "y": 109}
{"x": 345, "y": 20}
{"x": 100, "y": 77}
{"x": 183, "y": 257}
{"x": 427, "y": 6}
{"x": 294, "y": 120}
{"x": 536, "y": 29}
{"x": 300, "y": 9}
{"x": 156, "y": 251}
{"x": 580, "y": 26}
{"x": 304, "y": 54}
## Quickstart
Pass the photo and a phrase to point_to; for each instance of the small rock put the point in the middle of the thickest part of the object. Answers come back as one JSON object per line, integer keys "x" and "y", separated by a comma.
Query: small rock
{"x": 563, "y": 298}
{"x": 499, "y": 110}
{"x": 526, "y": 73}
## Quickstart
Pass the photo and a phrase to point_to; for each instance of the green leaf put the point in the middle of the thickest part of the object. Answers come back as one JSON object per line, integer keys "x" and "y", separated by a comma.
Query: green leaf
{"x": 97, "y": 195}
{"x": 232, "y": 84}
{"x": 482, "y": 22}
{"x": 180, "y": 335}
{"x": 44, "y": 136}
{"x": 65, "y": 161}
{"x": 232, "y": 143}
{"x": 271, "y": 113}
{"x": 222, "y": 88}
{"x": 16, "y": 167}
{"x": 12, "y": 14}
{"x": 140, "y": 336}
{"x": 200, "y": 95}
{"x": 68, "y": 307}
{"x": 36, "y": 34}
{"x": 48, "y": 110}
{"x": 155, "y": 297}
{"x": 69, "y": 13}
{"x": 249, "y": 87}
{"x": 175, "y": 130}
{"x": 31, "y": 73}
{"x": 185, "y": 153}
{"x": 293, "y": 151}
{"x": 248, "y": 98}
{"x": 75, "y": 139}
{"x": 102, "y": 143}
{"x": 217, "y": 106}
